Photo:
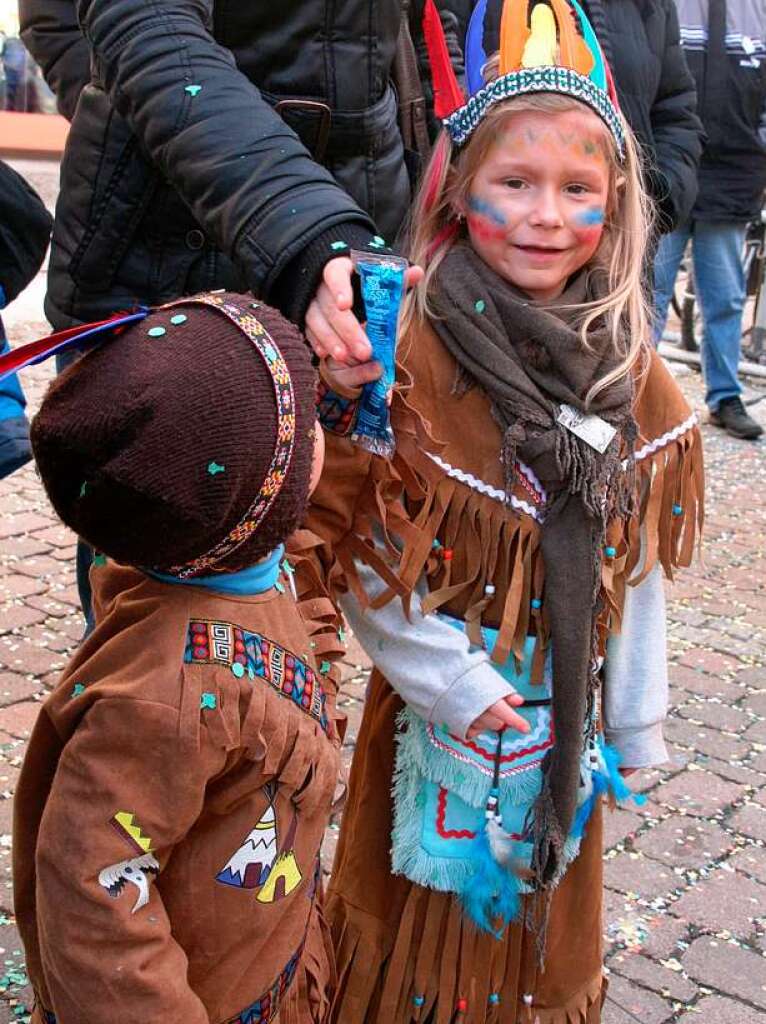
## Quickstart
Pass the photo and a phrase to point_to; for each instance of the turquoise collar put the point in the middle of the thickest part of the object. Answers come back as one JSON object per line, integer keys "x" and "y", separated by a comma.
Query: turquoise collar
{"x": 256, "y": 579}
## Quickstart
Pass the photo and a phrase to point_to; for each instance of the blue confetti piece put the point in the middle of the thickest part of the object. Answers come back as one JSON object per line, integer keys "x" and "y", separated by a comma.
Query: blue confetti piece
{"x": 480, "y": 305}
{"x": 280, "y": 587}
{"x": 215, "y": 468}
{"x": 193, "y": 90}
{"x": 325, "y": 667}
{"x": 77, "y": 689}
{"x": 338, "y": 246}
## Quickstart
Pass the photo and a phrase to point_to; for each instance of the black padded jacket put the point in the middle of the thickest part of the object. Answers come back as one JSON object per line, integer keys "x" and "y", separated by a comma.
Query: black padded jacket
{"x": 218, "y": 143}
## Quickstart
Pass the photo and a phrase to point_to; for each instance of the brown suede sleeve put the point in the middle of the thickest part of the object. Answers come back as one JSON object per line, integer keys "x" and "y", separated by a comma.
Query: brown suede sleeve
{"x": 111, "y": 954}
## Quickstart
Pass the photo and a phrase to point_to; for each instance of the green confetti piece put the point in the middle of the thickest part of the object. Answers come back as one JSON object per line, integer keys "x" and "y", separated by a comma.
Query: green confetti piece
{"x": 193, "y": 90}
{"x": 213, "y": 468}
{"x": 156, "y": 332}
{"x": 338, "y": 246}
{"x": 377, "y": 241}
{"x": 99, "y": 559}
{"x": 77, "y": 689}
{"x": 480, "y": 305}
{"x": 325, "y": 667}
{"x": 84, "y": 488}
{"x": 342, "y": 635}
{"x": 178, "y": 319}
{"x": 208, "y": 700}
{"x": 288, "y": 568}
{"x": 238, "y": 669}
{"x": 280, "y": 587}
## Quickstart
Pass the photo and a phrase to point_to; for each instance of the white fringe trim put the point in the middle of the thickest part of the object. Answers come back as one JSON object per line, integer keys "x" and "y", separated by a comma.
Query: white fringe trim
{"x": 660, "y": 442}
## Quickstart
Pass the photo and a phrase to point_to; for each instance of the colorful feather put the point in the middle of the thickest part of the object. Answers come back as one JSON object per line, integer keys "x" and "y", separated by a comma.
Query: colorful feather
{"x": 82, "y": 336}
{"x": 475, "y": 55}
{"x": 448, "y": 95}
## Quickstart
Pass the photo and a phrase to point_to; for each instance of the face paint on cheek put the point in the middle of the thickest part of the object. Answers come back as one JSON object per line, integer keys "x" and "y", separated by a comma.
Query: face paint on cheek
{"x": 485, "y": 209}
{"x": 590, "y": 226}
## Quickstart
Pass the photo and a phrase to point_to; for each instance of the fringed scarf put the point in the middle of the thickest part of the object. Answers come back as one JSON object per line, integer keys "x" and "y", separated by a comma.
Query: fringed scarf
{"x": 530, "y": 360}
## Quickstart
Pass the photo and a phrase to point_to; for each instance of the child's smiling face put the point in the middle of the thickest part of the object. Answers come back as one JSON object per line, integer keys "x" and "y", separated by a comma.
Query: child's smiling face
{"x": 536, "y": 206}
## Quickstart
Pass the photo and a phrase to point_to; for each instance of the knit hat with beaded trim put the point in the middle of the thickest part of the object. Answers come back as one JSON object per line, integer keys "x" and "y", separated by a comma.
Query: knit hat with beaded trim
{"x": 154, "y": 446}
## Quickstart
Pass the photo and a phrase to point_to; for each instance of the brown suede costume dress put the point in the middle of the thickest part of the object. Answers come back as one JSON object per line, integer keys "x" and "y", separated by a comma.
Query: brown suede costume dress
{"x": 171, "y": 808}
{"x": 406, "y": 953}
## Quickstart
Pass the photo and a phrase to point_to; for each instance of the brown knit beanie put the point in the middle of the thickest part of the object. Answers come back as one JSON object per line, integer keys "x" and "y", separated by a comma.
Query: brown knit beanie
{"x": 165, "y": 448}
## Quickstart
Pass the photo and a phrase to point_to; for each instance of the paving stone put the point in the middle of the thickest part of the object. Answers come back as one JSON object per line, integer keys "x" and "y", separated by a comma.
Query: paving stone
{"x": 709, "y": 661}
{"x": 724, "y": 902}
{"x": 750, "y": 860}
{"x": 20, "y": 655}
{"x": 698, "y": 792}
{"x": 756, "y": 702}
{"x": 756, "y": 733}
{"x": 685, "y": 842}
{"x": 651, "y": 975}
{"x": 750, "y": 820}
{"x": 14, "y": 687}
{"x": 356, "y": 655}
{"x": 663, "y": 934}
{"x": 24, "y": 522}
{"x": 719, "y": 1010}
{"x": 701, "y": 738}
{"x": 18, "y": 616}
{"x": 703, "y": 685}
{"x": 18, "y": 719}
{"x": 729, "y": 968}
{"x": 18, "y": 585}
{"x": 619, "y": 824}
{"x": 627, "y": 1002}
{"x": 716, "y": 715}
{"x": 633, "y": 873}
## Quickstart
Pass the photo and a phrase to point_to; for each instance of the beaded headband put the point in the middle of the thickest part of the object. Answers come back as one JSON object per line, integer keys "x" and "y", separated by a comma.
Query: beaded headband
{"x": 264, "y": 344}
{"x": 545, "y": 46}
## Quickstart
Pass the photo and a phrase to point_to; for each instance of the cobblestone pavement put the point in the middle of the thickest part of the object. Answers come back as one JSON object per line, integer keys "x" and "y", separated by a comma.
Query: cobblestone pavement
{"x": 685, "y": 899}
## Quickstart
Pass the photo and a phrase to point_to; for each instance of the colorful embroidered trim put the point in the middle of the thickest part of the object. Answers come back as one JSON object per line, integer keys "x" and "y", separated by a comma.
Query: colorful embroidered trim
{"x": 266, "y": 1008}
{"x": 463, "y": 121}
{"x": 248, "y": 322}
{"x": 221, "y": 643}
{"x": 336, "y": 413}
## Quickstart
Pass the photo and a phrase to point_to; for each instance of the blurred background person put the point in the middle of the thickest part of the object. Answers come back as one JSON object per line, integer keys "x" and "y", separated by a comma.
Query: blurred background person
{"x": 724, "y": 45}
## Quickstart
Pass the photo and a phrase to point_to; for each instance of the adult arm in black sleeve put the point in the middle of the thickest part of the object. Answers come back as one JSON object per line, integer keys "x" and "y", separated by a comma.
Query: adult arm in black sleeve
{"x": 52, "y": 35}
{"x": 25, "y": 229}
{"x": 677, "y": 132}
{"x": 244, "y": 174}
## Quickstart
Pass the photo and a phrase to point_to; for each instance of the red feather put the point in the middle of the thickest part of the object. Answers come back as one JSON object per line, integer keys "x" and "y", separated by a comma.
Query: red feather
{"x": 448, "y": 95}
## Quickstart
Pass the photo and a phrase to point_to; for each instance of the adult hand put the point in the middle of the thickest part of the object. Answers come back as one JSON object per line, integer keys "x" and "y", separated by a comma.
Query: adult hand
{"x": 331, "y": 327}
{"x": 351, "y": 376}
{"x": 500, "y": 715}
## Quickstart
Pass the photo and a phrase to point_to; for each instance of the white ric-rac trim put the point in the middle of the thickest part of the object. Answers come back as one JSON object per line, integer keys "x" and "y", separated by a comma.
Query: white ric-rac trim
{"x": 660, "y": 442}
{"x": 522, "y": 506}
{"x": 478, "y": 485}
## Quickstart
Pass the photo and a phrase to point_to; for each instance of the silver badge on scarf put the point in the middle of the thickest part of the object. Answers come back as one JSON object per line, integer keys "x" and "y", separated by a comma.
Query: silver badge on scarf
{"x": 591, "y": 429}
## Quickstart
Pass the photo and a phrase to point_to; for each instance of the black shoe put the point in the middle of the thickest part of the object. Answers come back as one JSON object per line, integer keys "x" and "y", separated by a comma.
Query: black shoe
{"x": 731, "y": 415}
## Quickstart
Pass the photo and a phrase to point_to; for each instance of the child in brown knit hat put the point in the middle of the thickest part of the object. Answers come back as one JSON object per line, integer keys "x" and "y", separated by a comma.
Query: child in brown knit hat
{"x": 179, "y": 778}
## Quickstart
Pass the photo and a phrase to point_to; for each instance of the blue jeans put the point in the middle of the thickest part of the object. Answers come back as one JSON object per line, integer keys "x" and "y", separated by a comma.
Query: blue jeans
{"x": 720, "y": 288}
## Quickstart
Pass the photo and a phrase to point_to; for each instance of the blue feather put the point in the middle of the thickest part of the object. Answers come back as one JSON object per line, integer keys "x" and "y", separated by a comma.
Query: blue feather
{"x": 475, "y": 57}
{"x": 491, "y": 895}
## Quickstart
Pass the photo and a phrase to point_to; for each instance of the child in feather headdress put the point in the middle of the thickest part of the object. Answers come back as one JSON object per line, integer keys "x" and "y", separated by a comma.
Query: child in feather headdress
{"x": 547, "y": 469}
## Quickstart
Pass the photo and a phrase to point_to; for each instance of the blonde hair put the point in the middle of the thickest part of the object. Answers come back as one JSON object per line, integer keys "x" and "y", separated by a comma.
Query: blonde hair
{"x": 620, "y": 254}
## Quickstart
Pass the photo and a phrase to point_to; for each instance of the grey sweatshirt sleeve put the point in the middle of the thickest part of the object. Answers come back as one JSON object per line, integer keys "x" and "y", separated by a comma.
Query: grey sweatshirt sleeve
{"x": 636, "y": 677}
{"x": 429, "y": 663}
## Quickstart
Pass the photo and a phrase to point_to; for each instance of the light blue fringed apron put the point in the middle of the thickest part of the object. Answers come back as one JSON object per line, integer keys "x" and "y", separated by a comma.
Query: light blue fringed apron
{"x": 460, "y": 806}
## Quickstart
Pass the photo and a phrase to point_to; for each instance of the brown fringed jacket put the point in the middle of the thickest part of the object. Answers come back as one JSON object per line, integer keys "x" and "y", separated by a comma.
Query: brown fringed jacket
{"x": 171, "y": 809}
{"x": 407, "y": 953}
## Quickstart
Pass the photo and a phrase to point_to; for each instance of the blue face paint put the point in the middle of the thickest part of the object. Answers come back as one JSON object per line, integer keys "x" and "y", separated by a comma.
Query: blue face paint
{"x": 592, "y": 217}
{"x": 382, "y": 280}
{"x": 485, "y": 209}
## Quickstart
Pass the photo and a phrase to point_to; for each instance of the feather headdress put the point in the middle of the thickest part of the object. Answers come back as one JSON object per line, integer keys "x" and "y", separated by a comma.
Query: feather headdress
{"x": 544, "y": 46}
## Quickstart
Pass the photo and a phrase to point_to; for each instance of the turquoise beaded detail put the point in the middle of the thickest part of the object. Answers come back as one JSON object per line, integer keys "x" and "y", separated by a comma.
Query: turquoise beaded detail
{"x": 678, "y": 510}
{"x": 418, "y": 1000}
{"x": 536, "y": 602}
{"x": 610, "y": 552}
{"x": 494, "y": 998}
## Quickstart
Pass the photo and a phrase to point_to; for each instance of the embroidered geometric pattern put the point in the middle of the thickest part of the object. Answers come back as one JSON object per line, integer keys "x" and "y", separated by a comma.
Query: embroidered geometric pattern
{"x": 463, "y": 121}
{"x": 248, "y": 322}
{"x": 222, "y": 643}
{"x": 336, "y": 413}
{"x": 266, "y": 1008}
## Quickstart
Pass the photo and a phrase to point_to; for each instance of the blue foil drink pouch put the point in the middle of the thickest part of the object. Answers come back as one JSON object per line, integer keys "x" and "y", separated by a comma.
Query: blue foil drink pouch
{"x": 382, "y": 279}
